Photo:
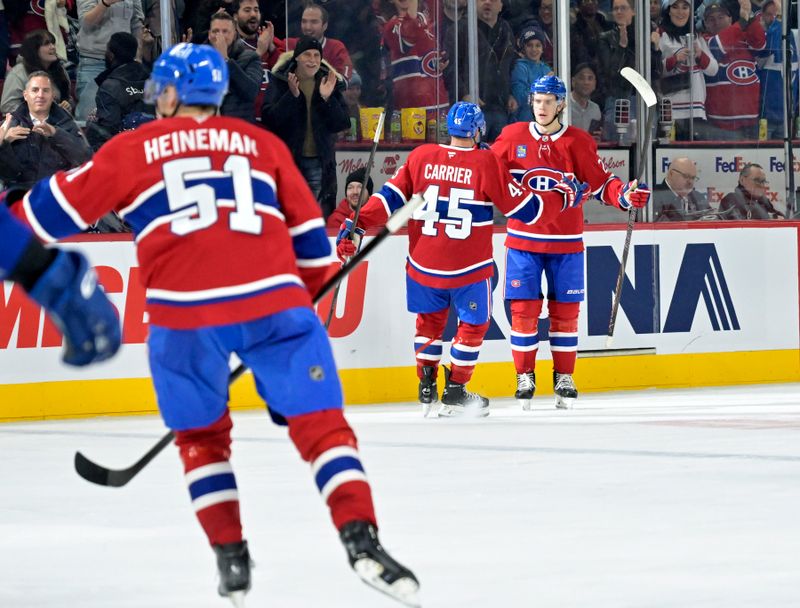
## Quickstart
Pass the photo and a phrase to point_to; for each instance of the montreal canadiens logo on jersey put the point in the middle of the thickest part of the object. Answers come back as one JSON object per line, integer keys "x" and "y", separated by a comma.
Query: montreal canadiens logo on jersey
{"x": 430, "y": 64}
{"x": 741, "y": 72}
{"x": 541, "y": 178}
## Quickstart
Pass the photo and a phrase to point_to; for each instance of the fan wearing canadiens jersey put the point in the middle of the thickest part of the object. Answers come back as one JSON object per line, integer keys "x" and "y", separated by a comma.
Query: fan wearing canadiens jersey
{"x": 450, "y": 247}
{"x": 541, "y": 153}
{"x": 231, "y": 243}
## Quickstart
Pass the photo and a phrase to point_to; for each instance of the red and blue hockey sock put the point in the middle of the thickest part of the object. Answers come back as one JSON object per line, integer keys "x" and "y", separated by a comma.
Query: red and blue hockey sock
{"x": 206, "y": 456}
{"x": 465, "y": 350}
{"x": 428, "y": 340}
{"x": 525, "y": 333}
{"x": 326, "y": 441}
{"x": 564, "y": 335}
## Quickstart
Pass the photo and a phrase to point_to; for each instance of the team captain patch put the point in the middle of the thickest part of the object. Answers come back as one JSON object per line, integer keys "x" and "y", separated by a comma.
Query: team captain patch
{"x": 522, "y": 151}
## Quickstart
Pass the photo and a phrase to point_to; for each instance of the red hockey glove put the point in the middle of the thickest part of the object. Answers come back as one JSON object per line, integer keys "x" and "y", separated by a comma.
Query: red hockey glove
{"x": 574, "y": 191}
{"x": 634, "y": 194}
{"x": 348, "y": 244}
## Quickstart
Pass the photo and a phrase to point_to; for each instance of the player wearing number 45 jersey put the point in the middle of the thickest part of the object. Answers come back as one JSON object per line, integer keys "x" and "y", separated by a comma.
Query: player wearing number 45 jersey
{"x": 450, "y": 246}
{"x": 540, "y": 153}
{"x": 230, "y": 243}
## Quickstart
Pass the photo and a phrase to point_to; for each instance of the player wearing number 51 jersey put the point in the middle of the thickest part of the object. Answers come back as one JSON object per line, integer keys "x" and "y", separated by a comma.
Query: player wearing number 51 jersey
{"x": 450, "y": 245}
{"x": 231, "y": 244}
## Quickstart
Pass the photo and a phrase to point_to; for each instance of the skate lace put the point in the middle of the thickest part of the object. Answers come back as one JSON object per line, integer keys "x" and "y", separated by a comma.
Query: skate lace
{"x": 525, "y": 382}
{"x": 564, "y": 381}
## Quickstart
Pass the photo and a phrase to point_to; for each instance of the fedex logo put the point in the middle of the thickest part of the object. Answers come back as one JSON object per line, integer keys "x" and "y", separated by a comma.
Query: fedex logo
{"x": 729, "y": 166}
{"x": 777, "y": 165}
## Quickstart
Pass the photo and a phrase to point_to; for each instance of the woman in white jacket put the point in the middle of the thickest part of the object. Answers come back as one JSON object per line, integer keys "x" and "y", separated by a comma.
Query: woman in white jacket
{"x": 686, "y": 58}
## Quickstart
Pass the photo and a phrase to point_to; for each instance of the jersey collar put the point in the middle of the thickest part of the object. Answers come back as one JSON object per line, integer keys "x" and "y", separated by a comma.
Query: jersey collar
{"x": 552, "y": 136}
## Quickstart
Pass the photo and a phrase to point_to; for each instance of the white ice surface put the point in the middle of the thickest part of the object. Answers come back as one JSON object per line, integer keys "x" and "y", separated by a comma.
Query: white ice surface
{"x": 652, "y": 499}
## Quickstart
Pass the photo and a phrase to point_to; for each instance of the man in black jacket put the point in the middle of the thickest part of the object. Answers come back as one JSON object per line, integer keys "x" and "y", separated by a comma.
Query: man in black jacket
{"x": 749, "y": 200}
{"x": 244, "y": 68}
{"x": 305, "y": 108}
{"x": 676, "y": 199}
{"x": 40, "y": 137}
{"x": 119, "y": 94}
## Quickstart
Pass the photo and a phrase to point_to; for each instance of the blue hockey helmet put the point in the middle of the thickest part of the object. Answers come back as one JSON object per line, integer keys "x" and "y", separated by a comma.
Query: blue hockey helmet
{"x": 197, "y": 71}
{"x": 550, "y": 85}
{"x": 465, "y": 119}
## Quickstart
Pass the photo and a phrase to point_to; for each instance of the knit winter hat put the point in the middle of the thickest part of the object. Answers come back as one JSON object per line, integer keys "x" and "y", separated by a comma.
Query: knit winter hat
{"x": 307, "y": 43}
{"x": 358, "y": 176}
{"x": 531, "y": 33}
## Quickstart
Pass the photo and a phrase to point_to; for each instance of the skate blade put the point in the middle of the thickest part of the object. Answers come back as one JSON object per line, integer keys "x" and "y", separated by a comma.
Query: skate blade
{"x": 526, "y": 404}
{"x": 404, "y": 590}
{"x": 237, "y": 598}
{"x": 430, "y": 408}
{"x": 565, "y": 403}
{"x": 454, "y": 411}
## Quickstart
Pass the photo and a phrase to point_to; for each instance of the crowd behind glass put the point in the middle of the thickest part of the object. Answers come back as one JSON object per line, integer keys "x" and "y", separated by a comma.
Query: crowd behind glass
{"x": 716, "y": 66}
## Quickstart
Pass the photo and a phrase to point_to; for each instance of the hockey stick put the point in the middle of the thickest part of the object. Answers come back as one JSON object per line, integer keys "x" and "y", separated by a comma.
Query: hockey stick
{"x": 362, "y": 197}
{"x": 648, "y": 95}
{"x": 116, "y": 478}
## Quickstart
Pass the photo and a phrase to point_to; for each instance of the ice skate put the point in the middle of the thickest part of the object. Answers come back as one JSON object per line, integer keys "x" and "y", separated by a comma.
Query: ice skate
{"x": 458, "y": 401}
{"x": 233, "y": 563}
{"x": 375, "y": 566}
{"x": 565, "y": 390}
{"x": 526, "y": 387}
{"x": 428, "y": 393}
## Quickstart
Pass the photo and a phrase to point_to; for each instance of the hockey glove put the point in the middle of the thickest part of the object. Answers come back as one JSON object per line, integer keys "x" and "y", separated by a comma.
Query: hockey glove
{"x": 348, "y": 244}
{"x": 634, "y": 194}
{"x": 69, "y": 292}
{"x": 574, "y": 191}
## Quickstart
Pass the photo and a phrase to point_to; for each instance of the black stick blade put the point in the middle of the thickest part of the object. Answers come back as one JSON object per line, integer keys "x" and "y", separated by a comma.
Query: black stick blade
{"x": 116, "y": 478}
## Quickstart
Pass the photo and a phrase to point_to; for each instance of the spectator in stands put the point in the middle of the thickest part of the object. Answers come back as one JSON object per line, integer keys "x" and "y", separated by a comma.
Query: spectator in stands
{"x": 304, "y": 107}
{"x": 655, "y": 14}
{"x": 352, "y": 99}
{"x": 99, "y": 20}
{"x": 527, "y": 69}
{"x": 675, "y": 199}
{"x": 41, "y": 137}
{"x": 314, "y": 23}
{"x": 25, "y": 16}
{"x": 749, "y": 199}
{"x": 518, "y": 13}
{"x": 244, "y": 68}
{"x": 417, "y": 62}
{"x": 683, "y": 69}
{"x": 38, "y": 53}
{"x": 496, "y": 52}
{"x": 583, "y": 112}
{"x": 259, "y": 38}
{"x": 585, "y": 33}
{"x": 199, "y": 18}
{"x": 616, "y": 49}
{"x": 352, "y": 191}
{"x": 355, "y": 24}
{"x": 545, "y": 21}
{"x": 732, "y": 98}
{"x": 119, "y": 96}
{"x": 770, "y": 72}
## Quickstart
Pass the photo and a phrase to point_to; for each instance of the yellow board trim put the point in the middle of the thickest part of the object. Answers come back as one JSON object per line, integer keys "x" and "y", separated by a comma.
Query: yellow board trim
{"x": 85, "y": 398}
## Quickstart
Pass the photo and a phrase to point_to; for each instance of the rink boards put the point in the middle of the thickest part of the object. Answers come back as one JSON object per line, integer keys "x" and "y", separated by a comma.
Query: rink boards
{"x": 718, "y": 303}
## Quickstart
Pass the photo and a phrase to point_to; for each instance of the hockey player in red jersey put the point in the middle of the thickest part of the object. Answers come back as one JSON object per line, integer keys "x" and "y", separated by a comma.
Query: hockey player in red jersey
{"x": 539, "y": 153}
{"x": 450, "y": 246}
{"x": 231, "y": 244}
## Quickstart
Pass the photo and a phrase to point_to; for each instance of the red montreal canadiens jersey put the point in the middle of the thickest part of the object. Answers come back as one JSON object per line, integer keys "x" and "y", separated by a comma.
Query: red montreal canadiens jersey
{"x": 450, "y": 237}
{"x": 415, "y": 58}
{"x": 225, "y": 225}
{"x": 732, "y": 94}
{"x": 539, "y": 161}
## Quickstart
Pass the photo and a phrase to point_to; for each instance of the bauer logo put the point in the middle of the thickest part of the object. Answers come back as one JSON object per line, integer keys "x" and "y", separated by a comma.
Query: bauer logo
{"x": 701, "y": 289}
